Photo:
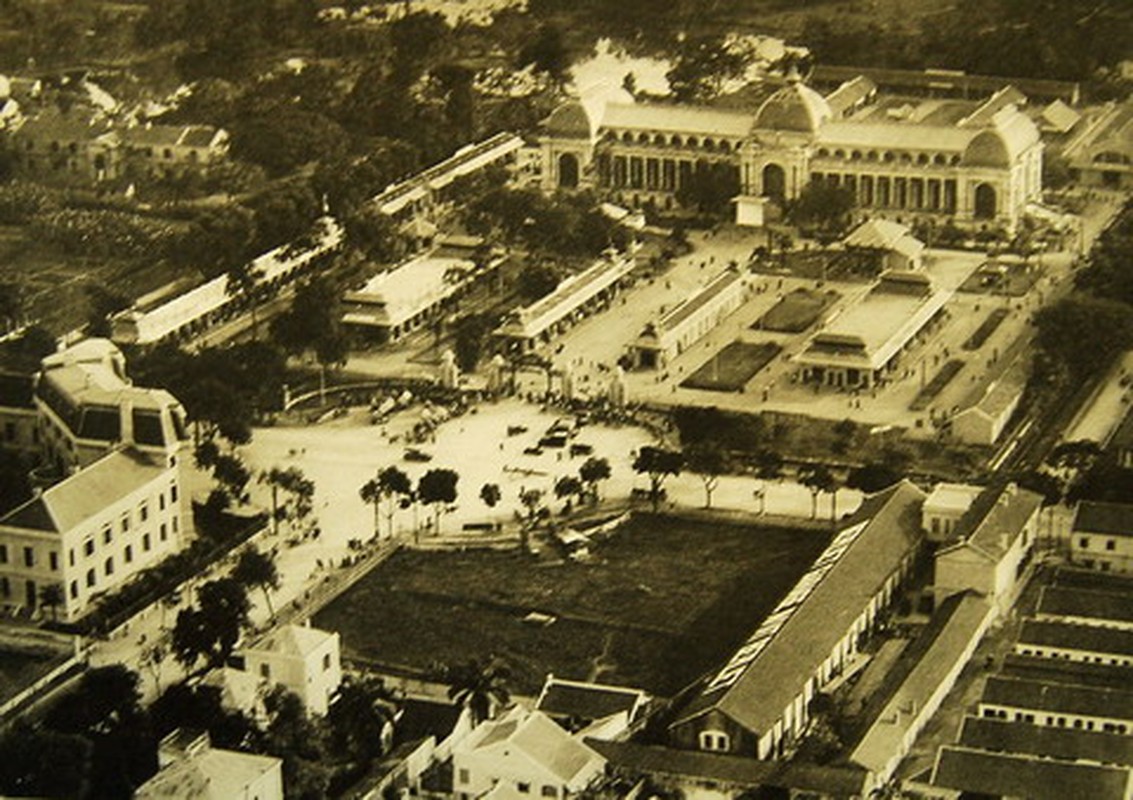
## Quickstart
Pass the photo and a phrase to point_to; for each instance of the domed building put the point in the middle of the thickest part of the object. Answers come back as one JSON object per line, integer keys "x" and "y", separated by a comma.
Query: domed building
{"x": 975, "y": 163}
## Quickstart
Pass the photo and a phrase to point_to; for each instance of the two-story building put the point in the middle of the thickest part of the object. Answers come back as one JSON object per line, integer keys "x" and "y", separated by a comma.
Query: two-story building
{"x": 302, "y": 659}
{"x": 1101, "y": 537}
{"x": 190, "y": 768}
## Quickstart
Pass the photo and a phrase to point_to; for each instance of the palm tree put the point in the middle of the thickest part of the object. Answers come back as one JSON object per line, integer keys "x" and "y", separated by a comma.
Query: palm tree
{"x": 371, "y": 493}
{"x": 480, "y": 686}
{"x": 51, "y": 596}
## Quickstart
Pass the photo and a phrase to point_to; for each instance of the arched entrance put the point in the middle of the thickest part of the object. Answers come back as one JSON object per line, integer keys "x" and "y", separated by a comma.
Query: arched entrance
{"x": 985, "y": 201}
{"x": 568, "y": 171}
{"x": 774, "y": 182}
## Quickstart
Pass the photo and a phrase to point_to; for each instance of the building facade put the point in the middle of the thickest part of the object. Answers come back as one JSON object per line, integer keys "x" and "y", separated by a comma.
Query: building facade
{"x": 975, "y": 163}
{"x": 304, "y": 660}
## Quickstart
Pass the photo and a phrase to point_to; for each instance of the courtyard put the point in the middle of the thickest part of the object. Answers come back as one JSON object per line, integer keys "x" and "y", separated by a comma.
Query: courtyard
{"x": 663, "y": 599}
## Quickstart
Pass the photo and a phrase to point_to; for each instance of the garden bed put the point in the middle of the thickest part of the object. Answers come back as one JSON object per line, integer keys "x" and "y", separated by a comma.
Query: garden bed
{"x": 934, "y": 387}
{"x": 732, "y": 367}
{"x": 796, "y": 311}
{"x": 986, "y": 329}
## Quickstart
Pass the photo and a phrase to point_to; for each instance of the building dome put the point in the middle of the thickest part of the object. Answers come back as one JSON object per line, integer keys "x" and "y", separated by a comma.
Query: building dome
{"x": 1011, "y": 134}
{"x": 795, "y": 107}
{"x": 569, "y": 121}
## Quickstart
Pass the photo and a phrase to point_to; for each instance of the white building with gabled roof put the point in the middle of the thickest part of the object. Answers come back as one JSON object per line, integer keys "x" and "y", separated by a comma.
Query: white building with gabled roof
{"x": 190, "y": 768}
{"x": 303, "y": 659}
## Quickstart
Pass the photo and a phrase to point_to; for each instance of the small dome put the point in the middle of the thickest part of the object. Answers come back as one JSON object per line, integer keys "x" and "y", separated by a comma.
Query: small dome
{"x": 795, "y": 107}
{"x": 569, "y": 121}
{"x": 987, "y": 150}
{"x": 1011, "y": 134}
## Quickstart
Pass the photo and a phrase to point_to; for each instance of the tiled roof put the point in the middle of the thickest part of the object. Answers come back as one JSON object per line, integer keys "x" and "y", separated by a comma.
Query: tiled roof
{"x": 700, "y": 120}
{"x": 1061, "y": 670}
{"x": 1058, "y": 601}
{"x": 417, "y": 719}
{"x": 890, "y": 532}
{"x": 733, "y": 770}
{"x": 1065, "y": 635}
{"x": 1122, "y": 437}
{"x": 849, "y": 93}
{"x": 86, "y": 493}
{"x": 293, "y": 640}
{"x": 211, "y": 775}
{"x": 995, "y": 774}
{"x": 552, "y": 747}
{"x": 996, "y": 518}
{"x": 1115, "y": 519}
{"x": 985, "y": 733}
{"x": 589, "y": 701}
{"x": 1039, "y": 696}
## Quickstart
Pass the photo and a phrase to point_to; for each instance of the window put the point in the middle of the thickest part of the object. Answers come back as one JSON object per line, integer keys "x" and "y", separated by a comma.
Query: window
{"x": 108, "y": 567}
{"x": 1084, "y": 542}
{"x": 129, "y": 554}
{"x": 88, "y": 547}
{"x": 125, "y": 522}
{"x": 106, "y": 535}
{"x": 161, "y": 502}
{"x": 29, "y": 557}
{"x": 174, "y": 524}
{"x": 71, "y": 556}
{"x": 146, "y": 542}
{"x": 550, "y": 791}
{"x": 143, "y": 512}
{"x": 3, "y": 554}
{"x": 5, "y": 587}
{"x": 163, "y": 533}
{"x": 90, "y": 577}
{"x": 326, "y": 662}
{"x": 462, "y": 776}
{"x": 1111, "y": 544}
{"x": 74, "y": 589}
{"x": 265, "y": 671}
{"x": 523, "y": 788}
{"x": 53, "y": 560}
{"x": 173, "y": 493}
{"x": 713, "y": 740}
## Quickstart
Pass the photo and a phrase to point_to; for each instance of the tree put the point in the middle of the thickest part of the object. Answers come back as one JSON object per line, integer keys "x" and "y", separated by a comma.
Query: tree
{"x": 710, "y": 187}
{"x": 1082, "y": 335}
{"x": 243, "y": 284}
{"x": 536, "y": 281}
{"x": 371, "y": 494}
{"x": 480, "y": 686}
{"x": 373, "y": 234}
{"x": 42, "y": 763}
{"x": 51, "y": 596}
{"x": 822, "y": 206}
{"x": 469, "y": 333}
{"x": 872, "y": 477}
{"x": 593, "y": 471}
{"x": 490, "y": 494}
{"x": 569, "y": 486}
{"x": 211, "y": 630}
{"x": 292, "y": 736}
{"x": 219, "y": 240}
{"x": 299, "y": 491}
{"x": 703, "y": 65}
{"x": 818, "y": 478}
{"x": 393, "y": 484}
{"x": 659, "y": 464}
{"x": 281, "y": 138}
{"x": 548, "y": 53}
{"x": 199, "y": 707}
{"x": 358, "y": 718}
{"x": 256, "y": 570}
{"x": 709, "y": 462}
{"x": 232, "y": 476}
{"x": 437, "y": 488}
{"x": 769, "y": 463}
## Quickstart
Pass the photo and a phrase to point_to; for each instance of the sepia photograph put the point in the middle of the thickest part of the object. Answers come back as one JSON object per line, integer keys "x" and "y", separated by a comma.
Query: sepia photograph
{"x": 566, "y": 399}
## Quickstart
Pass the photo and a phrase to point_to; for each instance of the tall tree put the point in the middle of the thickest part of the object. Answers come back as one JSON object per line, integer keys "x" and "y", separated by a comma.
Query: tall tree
{"x": 490, "y": 494}
{"x": 818, "y": 479}
{"x": 212, "y": 629}
{"x": 593, "y": 471}
{"x": 42, "y": 763}
{"x": 358, "y": 718}
{"x": 708, "y": 462}
{"x": 437, "y": 488}
{"x": 659, "y": 464}
{"x": 256, "y": 570}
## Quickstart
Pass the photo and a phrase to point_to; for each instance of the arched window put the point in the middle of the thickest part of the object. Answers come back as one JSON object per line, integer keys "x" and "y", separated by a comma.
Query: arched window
{"x": 725, "y": 147}
{"x": 568, "y": 170}
{"x": 823, "y": 152}
{"x": 692, "y": 141}
{"x": 675, "y": 141}
{"x": 839, "y": 153}
{"x": 627, "y": 137}
{"x": 922, "y": 158}
{"x": 856, "y": 155}
{"x": 871, "y": 155}
{"x": 940, "y": 159}
{"x": 643, "y": 138}
{"x": 906, "y": 158}
{"x": 985, "y": 202}
{"x": 774, "y": 182}
{"x": 659, "y": 140}
{"x": 709, "y": 143}
{"x": 887, "y": 156}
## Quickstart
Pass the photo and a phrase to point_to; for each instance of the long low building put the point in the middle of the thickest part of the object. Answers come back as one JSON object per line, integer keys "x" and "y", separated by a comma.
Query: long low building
{"x": 1076, "y": 642}
{"x": 539, "y": 322}
{"x": 857, "y": 348}
{"x": 204, "y": 306}
{"x": 758, "y": 702}
{"x": 998, "y": 735}
{"x": 984, "y": 774}
{"x": 1060, "y": 704}
{"x": 401, "y": 300}
{"x": 1102, "y": 537}
{"x": 1086, "y": 607}
{"x": 681, "y": 327}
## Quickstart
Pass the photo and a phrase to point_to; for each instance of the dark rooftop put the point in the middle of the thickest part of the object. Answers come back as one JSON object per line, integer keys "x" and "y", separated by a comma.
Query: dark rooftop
{"x": 1092, "y": 579}
{"x": 1087, "y": 701}
{"x": 1068, "y": 636}
{"x": 418, "y": 719}
{"x": 16, "y": 390}
{"x": 983, "y": 733}
{"x": 1061, "y": 601}
{"x": 1111, "y": 518}
{"x": 735, "y": 770}
{"x": 1061, "y": 670}
{"x": 589, "y": 702}
{"x": 996, "y": 774}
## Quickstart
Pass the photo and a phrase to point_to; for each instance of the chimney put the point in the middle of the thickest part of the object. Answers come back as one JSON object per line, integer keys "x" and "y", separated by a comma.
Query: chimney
{"x": 126, "y": 410}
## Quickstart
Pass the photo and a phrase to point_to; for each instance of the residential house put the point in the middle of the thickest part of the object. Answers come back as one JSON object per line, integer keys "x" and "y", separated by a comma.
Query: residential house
{"x": 171, "y": 150}
{"x": 985, "y": 413}
{"x": 1101, "y": 537}
{"x": 591, "y": 709}
{"x": 757, "y": 703}
{"x": 523, "y": 754}
{"x": 190, "y": 768}
{"x": 302, "y": 659}
{"x": 19, "y": 419}
{"x": 70, "y": 144}
{"x": 892, "y": 242}
{"x": 993, "y": 548}
{"x": 1070, "y": 744}
{"x": 1121, "y": 441}
{"x": 943, "y": 508}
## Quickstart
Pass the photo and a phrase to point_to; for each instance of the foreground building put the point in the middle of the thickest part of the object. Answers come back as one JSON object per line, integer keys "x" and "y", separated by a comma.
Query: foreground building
{"x": 303, "y": 660}
{"x": 973, "y": 162}
{"x": 190, "y": 768}
{"x": 757, "y": 703}
{"x": 108, "y": 502}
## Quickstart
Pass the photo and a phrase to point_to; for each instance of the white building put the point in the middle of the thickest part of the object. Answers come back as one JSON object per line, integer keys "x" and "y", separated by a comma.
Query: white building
{"x": 985, "y": 413}
{"x": 522, "y": 754}
{"x": 190, "y": 768}
{"x": 679, "y": 328}
{"x": 943, "y": 508}
{"x": 305, "y": 660}
{"x": 1102, "y": 537}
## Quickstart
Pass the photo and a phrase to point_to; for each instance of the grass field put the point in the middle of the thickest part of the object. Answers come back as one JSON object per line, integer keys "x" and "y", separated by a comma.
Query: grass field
{"x": 664, "y": 600}
{"x": 20, "y": 669}
{"x": 731, "y": 368}
{"x": 796, "y": 311}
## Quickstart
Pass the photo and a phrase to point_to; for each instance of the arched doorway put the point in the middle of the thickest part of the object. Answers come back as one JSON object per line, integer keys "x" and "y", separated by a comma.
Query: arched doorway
{"x": 774, "y": 182}
{"x": 568, "y": 171}
{"x": 985, "y": 201}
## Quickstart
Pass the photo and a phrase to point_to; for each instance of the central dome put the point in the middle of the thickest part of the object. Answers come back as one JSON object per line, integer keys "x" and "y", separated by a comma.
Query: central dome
{"x": 795, "y": 107}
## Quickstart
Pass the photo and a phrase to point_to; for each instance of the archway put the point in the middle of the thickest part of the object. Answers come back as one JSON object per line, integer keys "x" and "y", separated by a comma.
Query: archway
{"x": 985, "y": 201}
{"x": 774, "y": 182}
{"x": 568, "y": 171}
